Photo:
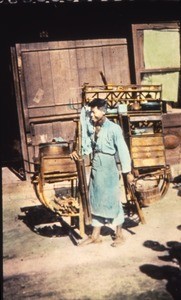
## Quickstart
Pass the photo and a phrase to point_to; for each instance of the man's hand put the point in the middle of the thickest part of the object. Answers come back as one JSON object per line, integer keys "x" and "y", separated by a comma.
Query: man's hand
{"x": 74, "y": 155}
{"x": 130, "y": 177}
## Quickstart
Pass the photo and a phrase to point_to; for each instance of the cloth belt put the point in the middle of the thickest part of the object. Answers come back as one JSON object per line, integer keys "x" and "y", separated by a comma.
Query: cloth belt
{"x": 97, "y": 152}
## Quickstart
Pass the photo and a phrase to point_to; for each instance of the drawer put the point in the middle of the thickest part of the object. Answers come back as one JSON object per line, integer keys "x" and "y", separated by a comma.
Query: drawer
{"x": 60, "y": 165}
{"x": 143, "y": 141}
{"x": 147, "y": 151}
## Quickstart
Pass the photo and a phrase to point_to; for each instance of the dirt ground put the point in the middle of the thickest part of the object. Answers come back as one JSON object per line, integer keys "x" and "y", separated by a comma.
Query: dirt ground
{"x": 41, "y": 260}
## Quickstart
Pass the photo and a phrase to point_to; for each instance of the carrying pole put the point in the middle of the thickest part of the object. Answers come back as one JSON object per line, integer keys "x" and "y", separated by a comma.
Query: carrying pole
{"x": 84, "y": 191}
{"x": 131, "y": 188}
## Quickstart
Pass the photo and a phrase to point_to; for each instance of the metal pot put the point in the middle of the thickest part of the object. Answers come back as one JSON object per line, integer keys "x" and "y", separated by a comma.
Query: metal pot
{"x": 52, "y": 149}
{"x": 171, "y": 141}
{"x": 153, "y": 105}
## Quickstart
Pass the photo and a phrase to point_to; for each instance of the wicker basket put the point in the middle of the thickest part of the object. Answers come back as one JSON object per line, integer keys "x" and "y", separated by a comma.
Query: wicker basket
{"x": 148, "y": 196}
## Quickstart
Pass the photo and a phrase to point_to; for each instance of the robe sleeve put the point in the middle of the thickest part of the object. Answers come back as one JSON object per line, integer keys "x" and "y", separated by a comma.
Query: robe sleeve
{"x": 122, "y": 149}
{"x": 86, "y": 131}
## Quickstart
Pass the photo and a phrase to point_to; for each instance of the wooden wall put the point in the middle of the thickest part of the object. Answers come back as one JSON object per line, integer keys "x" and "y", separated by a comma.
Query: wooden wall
{"x": 68, "y": 21}
{"x": 49, "y": 78}
{"x": 172, "y": 135}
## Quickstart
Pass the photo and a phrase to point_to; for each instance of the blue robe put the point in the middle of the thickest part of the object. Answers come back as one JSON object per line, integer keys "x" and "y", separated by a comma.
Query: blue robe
{"x": 104, "y": 186}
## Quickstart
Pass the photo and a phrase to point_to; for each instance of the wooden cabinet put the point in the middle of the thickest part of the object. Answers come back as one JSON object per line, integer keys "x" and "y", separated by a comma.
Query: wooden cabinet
{"x": 146, "y": 140}
{"x": 145, "y": 137}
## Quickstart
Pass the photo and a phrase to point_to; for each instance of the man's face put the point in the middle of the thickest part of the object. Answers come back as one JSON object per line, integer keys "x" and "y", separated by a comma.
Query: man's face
{"x": 96, "y": 114}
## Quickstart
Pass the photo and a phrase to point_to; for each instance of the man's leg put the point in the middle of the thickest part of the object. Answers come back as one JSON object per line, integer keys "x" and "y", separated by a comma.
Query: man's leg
{"x": 96, "y": 233}
{"x": 94, "y": 238}
{"x": 119, "y": 232}
{"x": 118, "y": 222}
{"x": 119, "y": 239}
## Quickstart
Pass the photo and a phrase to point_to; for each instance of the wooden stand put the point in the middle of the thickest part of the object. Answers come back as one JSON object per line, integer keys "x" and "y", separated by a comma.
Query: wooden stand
{"x": 56, "y": 166}
{"x": 138, "y": 110}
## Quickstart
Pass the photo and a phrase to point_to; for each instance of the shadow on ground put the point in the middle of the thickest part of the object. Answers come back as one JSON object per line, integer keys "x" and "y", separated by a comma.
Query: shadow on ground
{"x": 177, "y": 184}
{"x": 23, "y": 287}
{"x": 44, "y": 222}
{"x": 170, "y": 273}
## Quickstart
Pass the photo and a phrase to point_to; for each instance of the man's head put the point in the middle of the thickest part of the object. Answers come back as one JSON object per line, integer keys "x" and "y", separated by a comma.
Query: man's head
{"x": 98, "y": 110}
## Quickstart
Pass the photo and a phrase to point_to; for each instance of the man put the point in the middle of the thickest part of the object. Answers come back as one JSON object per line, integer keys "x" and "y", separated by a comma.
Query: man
{"x": 107, "y": 141}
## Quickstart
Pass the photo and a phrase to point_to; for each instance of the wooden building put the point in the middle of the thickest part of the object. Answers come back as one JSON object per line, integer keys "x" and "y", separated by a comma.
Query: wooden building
{"x": 49, "y": 49}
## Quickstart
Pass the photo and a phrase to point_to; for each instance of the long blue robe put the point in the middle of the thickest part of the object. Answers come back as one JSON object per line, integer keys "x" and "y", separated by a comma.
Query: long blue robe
{"x": 104, "y": 187}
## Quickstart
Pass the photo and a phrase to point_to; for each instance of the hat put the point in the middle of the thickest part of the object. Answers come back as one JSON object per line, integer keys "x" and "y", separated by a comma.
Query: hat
{"x": 98, "y": 102}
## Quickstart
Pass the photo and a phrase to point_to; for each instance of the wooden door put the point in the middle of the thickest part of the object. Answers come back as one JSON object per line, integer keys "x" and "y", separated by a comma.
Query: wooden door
{"x": 48, "y": 83}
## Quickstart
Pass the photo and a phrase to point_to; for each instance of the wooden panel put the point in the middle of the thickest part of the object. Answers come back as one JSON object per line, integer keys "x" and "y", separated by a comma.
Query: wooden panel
{"x": 58, "y": 164}
{"x": 38, "y": 82}
{"x": 172, "y": 126}
{"x": 172, "y": 119}
{"x": 53, "y": 73}
{"x": 147, "y": 151}
{"x": 20, "y": 111}
{"x": 173, "y": 157}
{"x": 145, "y": 118}
{"x": 51, "y": 76}
{"x": 146, "y": 141}
{"x": 149, "y": 162}
{"x": 46, "y": 132}
{"x": 114, "y": 56}
{"x": 147, "y": 154}
{"x": 55, "y": 76}
{"x": 106, "y": 59}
